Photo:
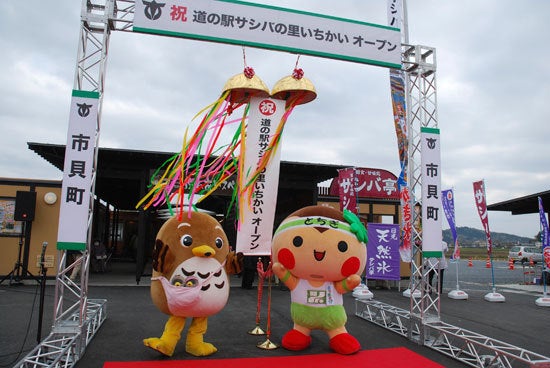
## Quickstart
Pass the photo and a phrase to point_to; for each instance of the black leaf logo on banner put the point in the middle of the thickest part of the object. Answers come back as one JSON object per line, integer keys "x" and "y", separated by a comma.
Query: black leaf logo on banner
{"x": 431, "y": 142}
{"x": 153, "y": 9}
{"x": 83, "y": 109}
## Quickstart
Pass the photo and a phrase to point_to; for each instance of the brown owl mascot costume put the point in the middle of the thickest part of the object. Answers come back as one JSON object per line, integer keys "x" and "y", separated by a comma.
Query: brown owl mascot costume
{"x": 189, "y": 280}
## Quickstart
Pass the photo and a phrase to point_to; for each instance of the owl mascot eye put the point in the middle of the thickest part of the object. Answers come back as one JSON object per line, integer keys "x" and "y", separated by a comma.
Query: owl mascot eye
{"x": 319, "y": 253}
{"x": 189, "y": 280}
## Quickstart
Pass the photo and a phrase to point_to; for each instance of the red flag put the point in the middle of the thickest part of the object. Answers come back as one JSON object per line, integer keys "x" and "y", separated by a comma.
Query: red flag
{"x": 481, "y": 205}
{"x": 347, "y": 188}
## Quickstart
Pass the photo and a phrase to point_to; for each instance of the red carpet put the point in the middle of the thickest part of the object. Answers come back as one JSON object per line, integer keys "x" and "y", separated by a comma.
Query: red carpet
{"x": 379, "y": 358}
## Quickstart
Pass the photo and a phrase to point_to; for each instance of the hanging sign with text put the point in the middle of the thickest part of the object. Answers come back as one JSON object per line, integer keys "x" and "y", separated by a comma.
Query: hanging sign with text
{"x": 77, "y": 172}
{"x": 270, "y": 27}
{"x": 370, "y": 183}
{"x": 383, "y": 252}
{"x": 431, "y": 192}
{"x": 256, "y": 225}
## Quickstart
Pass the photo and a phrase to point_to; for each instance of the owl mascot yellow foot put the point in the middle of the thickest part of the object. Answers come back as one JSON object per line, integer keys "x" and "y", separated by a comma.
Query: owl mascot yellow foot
{"x": 319, "y": 253}
{"x": 189, "y": 280}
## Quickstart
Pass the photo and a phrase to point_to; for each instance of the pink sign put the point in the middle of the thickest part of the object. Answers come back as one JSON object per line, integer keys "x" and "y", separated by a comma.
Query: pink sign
{"x": 371, "y": 183}
{"x": 481, "y": 205}
{"x": 347, "y": 193}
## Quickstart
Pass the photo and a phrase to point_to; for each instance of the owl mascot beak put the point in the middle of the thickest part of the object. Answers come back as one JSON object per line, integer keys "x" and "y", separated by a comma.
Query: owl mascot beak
{"x": 204, "y": 251}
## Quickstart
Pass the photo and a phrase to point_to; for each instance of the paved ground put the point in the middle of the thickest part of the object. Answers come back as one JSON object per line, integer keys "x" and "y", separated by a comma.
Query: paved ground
{"x": 131, "y": 317}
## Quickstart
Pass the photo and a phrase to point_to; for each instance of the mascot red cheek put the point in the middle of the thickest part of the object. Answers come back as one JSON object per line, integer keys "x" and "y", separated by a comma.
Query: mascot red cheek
{"x": 189, "y": 280}
{"x": 319, "y": 253}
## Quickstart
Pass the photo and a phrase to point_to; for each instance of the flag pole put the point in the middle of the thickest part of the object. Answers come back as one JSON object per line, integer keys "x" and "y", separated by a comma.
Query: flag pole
{"x": 457, "y": 293}
{"x": 543, "y": 301}
{"x": 481, "y": 204}
{"x": 493, "y": 296}
{"x": 361, "y": 291}
{"x": 447, "y": 200}
{"x": 492, "y": 270}
{"x": 457, "y": 285}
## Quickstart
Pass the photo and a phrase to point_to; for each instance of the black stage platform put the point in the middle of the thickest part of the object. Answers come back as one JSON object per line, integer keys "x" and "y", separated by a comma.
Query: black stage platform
{"x": 131, "y": 316}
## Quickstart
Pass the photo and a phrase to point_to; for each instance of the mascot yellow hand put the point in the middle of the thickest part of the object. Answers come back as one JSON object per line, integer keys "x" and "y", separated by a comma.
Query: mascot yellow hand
{"x": 319, "y": 253}
{"x": 189, "y": 280}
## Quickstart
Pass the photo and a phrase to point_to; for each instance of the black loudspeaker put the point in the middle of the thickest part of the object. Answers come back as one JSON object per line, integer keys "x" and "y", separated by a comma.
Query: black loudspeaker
{"x": 25, "y": 202}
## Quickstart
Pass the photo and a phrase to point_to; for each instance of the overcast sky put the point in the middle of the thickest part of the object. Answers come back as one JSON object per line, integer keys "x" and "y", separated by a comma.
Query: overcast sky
{"x": 493, "y": 93}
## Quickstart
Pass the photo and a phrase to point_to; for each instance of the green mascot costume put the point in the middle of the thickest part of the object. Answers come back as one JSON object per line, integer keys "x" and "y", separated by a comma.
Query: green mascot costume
{"x": 319, "y": 253}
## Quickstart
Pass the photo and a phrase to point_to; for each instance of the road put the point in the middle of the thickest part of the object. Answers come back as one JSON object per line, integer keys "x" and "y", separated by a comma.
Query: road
{"x": 478, "y": 277}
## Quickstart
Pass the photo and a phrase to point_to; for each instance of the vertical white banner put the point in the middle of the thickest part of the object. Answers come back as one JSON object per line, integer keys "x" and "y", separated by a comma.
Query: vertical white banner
{"x": 77, "y": 172}
{"x": 395, "y": 13}
{"x": 432, "y": 212}
{"x": 256, "y": 226}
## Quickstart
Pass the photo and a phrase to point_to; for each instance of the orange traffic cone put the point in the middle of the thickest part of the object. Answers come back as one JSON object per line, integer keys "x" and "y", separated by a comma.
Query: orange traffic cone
{"x": 488, "y": 263}
{"x": 470, "y": 263}
{"x": 510, "y": 264}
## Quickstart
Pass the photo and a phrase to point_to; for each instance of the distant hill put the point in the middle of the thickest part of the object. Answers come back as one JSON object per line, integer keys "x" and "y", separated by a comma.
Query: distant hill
{"x": 470, "y": 237}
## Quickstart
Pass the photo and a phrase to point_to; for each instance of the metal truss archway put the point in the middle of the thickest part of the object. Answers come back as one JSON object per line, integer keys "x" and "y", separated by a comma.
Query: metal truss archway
{"x": 422, "y": 322}
{"x": 77, "y": 319}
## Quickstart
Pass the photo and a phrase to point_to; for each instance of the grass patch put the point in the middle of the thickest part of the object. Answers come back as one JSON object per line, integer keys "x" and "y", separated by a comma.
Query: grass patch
{"x": 499, "y": 254}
